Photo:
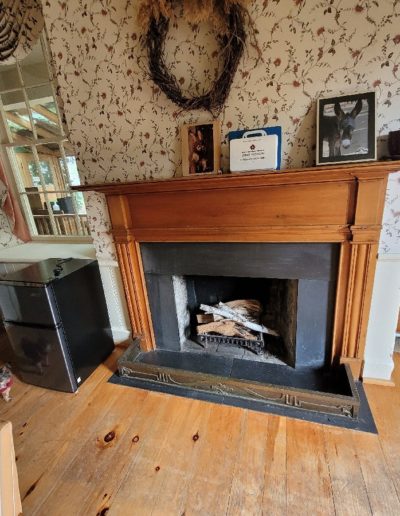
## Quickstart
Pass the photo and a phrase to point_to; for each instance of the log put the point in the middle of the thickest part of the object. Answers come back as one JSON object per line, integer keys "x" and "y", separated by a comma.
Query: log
{"x": 204, "y": 318}
{"x": 249, "y": 308}
{"x": 227, "y": 328}
{"x": 228, "y": 313}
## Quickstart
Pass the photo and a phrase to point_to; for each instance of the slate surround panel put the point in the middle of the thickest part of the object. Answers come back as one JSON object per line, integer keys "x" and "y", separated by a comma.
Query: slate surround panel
{"x": 315, "y": 266}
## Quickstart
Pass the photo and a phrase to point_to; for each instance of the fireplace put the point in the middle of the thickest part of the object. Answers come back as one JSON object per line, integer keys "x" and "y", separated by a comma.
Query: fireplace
{"x": 302, "y": 242}
{"x": 277, "y": 299}
{"x": 295, "y": 283}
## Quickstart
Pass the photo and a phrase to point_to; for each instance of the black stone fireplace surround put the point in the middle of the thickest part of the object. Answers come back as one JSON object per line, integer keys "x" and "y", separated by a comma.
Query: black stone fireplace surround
{"x": 304, "y": 275}
{"x": 212, "y": 271}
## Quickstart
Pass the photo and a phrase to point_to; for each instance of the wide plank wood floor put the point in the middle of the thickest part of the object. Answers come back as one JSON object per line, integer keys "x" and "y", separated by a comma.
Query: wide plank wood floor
{"x": 121, "y": 451}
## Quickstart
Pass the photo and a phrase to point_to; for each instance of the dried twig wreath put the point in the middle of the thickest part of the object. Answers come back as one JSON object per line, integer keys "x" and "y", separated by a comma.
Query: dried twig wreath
{"x": 228, "y": 18}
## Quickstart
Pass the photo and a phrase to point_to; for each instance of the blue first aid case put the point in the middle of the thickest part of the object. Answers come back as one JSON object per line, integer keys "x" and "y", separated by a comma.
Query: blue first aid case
{"x": 256, "y": 149}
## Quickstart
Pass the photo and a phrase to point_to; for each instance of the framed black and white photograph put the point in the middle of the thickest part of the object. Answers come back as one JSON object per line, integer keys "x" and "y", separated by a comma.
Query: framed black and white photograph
{"x": 346, "y": 129}
{"x": 201, "y": 148}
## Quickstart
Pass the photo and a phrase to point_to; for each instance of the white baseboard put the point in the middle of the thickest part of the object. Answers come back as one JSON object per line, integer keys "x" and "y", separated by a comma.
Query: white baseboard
{"x": 381, "y": 334}
{"x": 378, "y": 371}
{"x": 120, "y": 335}
{"x": 115, "y": 300}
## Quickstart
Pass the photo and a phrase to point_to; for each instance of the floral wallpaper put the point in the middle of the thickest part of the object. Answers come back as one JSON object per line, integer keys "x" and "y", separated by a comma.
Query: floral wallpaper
{"x": 100, "y": 226}
{"x": 24, "y": 19}
{"x": 123, "y": 128}
{"x": 7, "y": 239}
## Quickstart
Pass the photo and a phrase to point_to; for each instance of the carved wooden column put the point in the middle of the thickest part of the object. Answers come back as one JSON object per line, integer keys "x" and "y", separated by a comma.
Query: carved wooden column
{"x": 130, "y": 263}
{"x": 357, "y": 268}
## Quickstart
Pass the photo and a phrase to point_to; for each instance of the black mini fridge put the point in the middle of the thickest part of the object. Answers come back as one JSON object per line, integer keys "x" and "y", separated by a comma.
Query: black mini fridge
{"x": 57, "y": 322}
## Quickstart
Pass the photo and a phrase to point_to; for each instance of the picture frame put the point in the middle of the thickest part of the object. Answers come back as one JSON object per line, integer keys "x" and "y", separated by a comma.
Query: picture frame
{"x": 201, "y": 148}
{"x": 346, "y": 129}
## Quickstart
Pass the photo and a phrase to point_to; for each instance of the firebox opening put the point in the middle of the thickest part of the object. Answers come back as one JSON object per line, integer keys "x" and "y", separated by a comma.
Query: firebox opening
{"x": 278, "y": 300}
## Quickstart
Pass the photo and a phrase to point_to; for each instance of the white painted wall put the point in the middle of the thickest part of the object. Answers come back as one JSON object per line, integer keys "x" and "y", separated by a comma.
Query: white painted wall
{"x": 385, "y": 304}
{"x": 383, "y": 319}
{"x": 110, "y": 275}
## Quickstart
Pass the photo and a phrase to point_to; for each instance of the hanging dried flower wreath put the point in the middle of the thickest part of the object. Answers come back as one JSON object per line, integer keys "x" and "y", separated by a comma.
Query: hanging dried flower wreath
{"x": 228, "y": 18}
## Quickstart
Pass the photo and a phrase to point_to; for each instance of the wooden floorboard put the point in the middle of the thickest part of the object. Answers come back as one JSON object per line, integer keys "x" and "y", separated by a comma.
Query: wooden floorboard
{"x": 309, "y": 489}
{"x": 275, "y": 479}
{"x": 385, "y": 405}
{"x": 349, "y": 491}
{"x": 121, "y": 451}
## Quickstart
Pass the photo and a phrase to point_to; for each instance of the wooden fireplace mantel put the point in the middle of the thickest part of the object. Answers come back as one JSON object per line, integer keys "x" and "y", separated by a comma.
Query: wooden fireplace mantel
{"x": 336, "y": 204}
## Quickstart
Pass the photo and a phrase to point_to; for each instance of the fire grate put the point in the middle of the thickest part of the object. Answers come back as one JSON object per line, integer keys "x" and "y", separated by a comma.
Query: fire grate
{"x": 256, "y": 346}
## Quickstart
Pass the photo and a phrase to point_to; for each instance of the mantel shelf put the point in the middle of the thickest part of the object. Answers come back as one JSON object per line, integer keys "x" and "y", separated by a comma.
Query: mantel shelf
{"x": 348, "y": 171}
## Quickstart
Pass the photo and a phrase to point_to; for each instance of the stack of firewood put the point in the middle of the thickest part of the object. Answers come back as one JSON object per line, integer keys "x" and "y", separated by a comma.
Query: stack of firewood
{"x": 240, "y": 318}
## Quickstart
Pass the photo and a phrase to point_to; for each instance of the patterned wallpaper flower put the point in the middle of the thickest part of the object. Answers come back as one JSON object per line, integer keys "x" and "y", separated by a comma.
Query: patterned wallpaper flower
{"x": 123, "y": 128}
{"x": 100, "y": 226}
{"x": 7, "y": 239}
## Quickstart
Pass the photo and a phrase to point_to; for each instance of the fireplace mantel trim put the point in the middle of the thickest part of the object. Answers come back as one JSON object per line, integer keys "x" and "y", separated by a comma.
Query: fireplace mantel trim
{"x": 361, "y": 171}
{"x": 340, "y": 204}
